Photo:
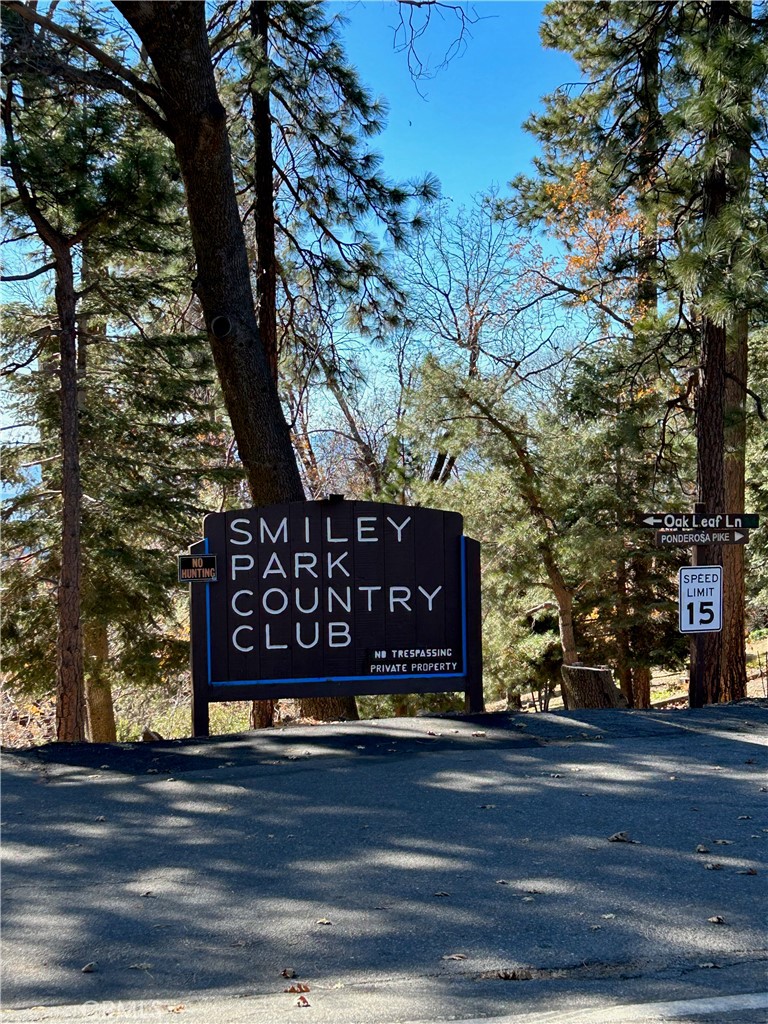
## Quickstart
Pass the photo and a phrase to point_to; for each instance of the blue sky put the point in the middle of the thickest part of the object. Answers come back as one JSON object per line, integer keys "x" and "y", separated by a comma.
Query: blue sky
{"x": 463, "y": 125}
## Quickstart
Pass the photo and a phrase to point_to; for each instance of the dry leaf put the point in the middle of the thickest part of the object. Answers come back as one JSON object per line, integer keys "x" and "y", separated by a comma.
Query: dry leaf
{"x": 101, "y": 817}
{"x": 478, "y": 733}
{"x": 714, "y": 866}
{"x": 149, "y": 895}
{"x": 607, "y": 917}
{"x": 323, "y": 920}
{"x": 716, "y": 919}
{"x": 455, "y": 956}
{"x": 503, "y": 881}
{"x": 298, "y": 987}
{"x": 622, "y": 837}
{"x": 747, "y": 871}
{"x": 303, "y": 1001}
{"x": 288, "y": 972}
{"x": 744, "y": 817}
{"x": 178, "y": 1008}
{"x": 442, "y": 894}
{"x": 89, "y": 968}
{"x": 702, "y": 849}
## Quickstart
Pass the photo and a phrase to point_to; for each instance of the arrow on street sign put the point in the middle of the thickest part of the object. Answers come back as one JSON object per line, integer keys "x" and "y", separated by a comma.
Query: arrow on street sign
{"x": 692, "y": 538}
{"x": 700, "y": 520}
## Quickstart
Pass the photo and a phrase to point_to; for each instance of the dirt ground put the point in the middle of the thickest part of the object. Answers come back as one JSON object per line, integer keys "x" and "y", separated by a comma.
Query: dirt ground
{"x": 27, "y": 722}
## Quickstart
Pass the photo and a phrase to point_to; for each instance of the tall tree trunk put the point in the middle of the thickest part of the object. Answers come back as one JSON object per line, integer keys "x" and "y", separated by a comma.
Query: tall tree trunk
{"x": 98, "y": 689}
{"x": 175, "y": 38}
{"x": 641, "y": 686}
{"x": 325, "y": 708}
{"x": 98, "y": 686}
{"x": 264, "y": 217}
{"x": 70, "y": 686}
{"x": 710, "y": 409}
{"x": 733, "y": 658}
{"x": 623, "y": 667}
{"x": 733, "y": 664}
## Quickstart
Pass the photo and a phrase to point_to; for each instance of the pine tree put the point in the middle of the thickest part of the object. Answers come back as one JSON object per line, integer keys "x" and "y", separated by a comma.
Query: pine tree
{"x": 96, "y": 191}
{"x": 663, "y": 128}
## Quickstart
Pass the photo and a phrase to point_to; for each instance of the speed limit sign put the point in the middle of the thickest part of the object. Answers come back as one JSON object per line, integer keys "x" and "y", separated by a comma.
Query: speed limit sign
{"x": 700, "y": 593}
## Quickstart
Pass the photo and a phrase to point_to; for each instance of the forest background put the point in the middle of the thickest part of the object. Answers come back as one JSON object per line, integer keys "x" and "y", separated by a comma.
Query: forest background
{"x": 217, "y": 296}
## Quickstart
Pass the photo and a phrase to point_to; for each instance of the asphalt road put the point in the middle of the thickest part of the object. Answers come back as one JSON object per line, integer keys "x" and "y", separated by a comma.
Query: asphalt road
{"x": 431, "y": 869}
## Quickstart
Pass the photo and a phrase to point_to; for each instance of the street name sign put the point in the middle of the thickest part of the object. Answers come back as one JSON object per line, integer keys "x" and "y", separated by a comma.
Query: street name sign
{"x": 692, "y": 538}
{"x": 333, "y": 598}
{"x": 700, "y": 520}
{"x": 700, "y": 593}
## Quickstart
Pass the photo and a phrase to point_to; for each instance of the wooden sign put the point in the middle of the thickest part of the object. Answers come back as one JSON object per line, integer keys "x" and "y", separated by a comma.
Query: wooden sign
{"x": 332, "y": 598}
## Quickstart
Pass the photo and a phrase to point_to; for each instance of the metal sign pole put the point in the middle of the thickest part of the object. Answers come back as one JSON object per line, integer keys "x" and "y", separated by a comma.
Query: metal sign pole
{"x": 697, "y": 690}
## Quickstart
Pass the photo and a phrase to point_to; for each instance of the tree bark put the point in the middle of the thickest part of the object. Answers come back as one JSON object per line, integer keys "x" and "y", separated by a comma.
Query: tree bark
{"x": 175, "y": 38}
{"x": 733, "y": 658}
{"x": 70, "y": 685}
{"x": 264, "y": 216}
{"x": 710, "y": 418}
{"x": 98, "y": 689}
{"x": 641, "y": 686}
{"x": 589, "y": 687}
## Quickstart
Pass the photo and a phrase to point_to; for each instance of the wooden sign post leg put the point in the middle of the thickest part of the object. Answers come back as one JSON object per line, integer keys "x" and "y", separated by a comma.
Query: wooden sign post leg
{"x": 473, "y": 696}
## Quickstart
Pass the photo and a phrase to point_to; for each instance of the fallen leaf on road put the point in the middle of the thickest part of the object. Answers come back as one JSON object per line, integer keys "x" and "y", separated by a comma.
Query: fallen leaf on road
{"x": 300, "y": 987}
{"x": 89, "y": 968}
{"x": 713, "y": 866}
{"x": 748, "y": 871}
{"x": 442, "y": 894}
{"x": 478, "y": 733}
{"x": 723, "y": 842}
{"x": 101, "y": 817}
{"x": 622, "y": 837}
{"x": 744, "y": 817}
{"x": 607, "y": 917}
{"x": 528, "y": 899}
{"x": 716, "y": 919}
{"x": 323, "y": 920}
{"x": 455, "y": 956}
{"x": 149, "y": 895}
{"x": 702, "y": 849}
{"x": 503, "y": 881}
{"x": 303, "y": 1001}
{"x": 288, "y": 972}
{"x": 179, "y": 1008}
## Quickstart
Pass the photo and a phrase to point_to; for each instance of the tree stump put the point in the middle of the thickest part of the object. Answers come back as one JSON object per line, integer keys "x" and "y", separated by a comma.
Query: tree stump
{"x": 590, "y": 688}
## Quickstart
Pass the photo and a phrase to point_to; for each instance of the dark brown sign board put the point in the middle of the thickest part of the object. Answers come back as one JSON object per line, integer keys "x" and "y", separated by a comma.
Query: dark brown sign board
{"x": 335, "y": 598}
